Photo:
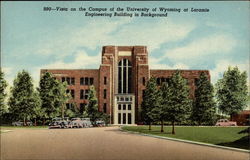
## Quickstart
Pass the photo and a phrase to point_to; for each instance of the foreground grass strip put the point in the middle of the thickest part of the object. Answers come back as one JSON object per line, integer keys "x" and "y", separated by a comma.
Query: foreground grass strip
{"x": 26, "y": 127}
{"x": 224, "y": 136}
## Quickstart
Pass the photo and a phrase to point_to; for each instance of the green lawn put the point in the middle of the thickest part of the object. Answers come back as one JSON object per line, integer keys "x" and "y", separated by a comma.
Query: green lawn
{"x": 225, "y": 136}
{"x": 10, "y": 127}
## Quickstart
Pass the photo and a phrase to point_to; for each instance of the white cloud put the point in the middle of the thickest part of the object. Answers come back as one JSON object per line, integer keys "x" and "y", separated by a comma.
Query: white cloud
{"x": 213, "y": 44}
{"x": 222, "y": 66}
{"x": 154, "y": 64}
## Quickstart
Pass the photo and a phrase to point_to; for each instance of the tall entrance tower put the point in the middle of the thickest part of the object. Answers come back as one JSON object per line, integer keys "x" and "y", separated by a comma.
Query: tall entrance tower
{"x": 122, "y": 77}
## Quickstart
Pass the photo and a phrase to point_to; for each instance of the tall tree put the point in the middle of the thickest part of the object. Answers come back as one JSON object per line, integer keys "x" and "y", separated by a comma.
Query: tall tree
{"x": 151, "y": 102}
{"x": 163, "y": 111}
{"x": 22, "y": 97}
{"x": 3, "y": 85}
{"x": 232, "y": 91}
{"x": 53, "y": 96}
{"x": 92, "y": 106}
{"x": 179, "y": 105}
{"x": 204, "y": 105}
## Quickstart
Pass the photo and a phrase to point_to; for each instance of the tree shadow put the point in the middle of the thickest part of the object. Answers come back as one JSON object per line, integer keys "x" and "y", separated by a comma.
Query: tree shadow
{"x": 243, "y": 143}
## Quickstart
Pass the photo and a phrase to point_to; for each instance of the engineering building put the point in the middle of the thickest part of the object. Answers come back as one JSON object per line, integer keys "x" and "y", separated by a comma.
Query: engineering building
{"x": 119, "y": 82}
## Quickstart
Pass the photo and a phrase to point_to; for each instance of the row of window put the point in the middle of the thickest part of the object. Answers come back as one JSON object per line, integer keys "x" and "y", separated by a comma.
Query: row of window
{"x": 83, "y": 80}
{"x": 85, "y": 93}
{"x": 83, "y": 107}
{"x": 122, "y": 117}
{"x": 124, "y": 107}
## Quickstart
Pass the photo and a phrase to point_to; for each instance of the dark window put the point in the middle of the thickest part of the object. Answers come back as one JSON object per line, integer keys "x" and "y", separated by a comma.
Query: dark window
{"x": 129, "y": 118}
{"x": 158, "y": 80}
{"x": 72, "y": 93}
{"x": 124, "y": 107}
{"x": 63, "y": 79}
{"x": 86, "y": 94}
{"x": 81, "y": 94}
{"x": 124, "y": 76}
{"x": 67, "y": 105}
{"x": 105, "y": 80}
{"x": 105, "y": 94}
{"x": 67, "y": 91}
{"x": 129, "y": 107}
{"x": 68, "y": 80}
{"x": 143, "y": 93}
{"x": 143, "y": 81}
{"x": 91, "y": 81}
{"x": 124, "y": 118}
{"x": 73, "y": 81}
{"x": 104, "y": 107}
{"x": 196, "y": 80}
{"x": 82, "y": 107}
{"x": 86, "y": 81}
{"x": 119, "y": 118}
{"x": 119, "y": 106}
{"x": 81, "y": 81}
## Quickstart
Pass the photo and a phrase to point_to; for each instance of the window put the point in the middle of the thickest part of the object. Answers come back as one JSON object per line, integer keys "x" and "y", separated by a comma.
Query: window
{"x": 72, "y": 81}
{"x": 68, "y": 80}
{"x": 91, "y": 81}
{"x": 104, "y": 107}
{"x": 196, "y": 80}
{"x": 143, "y": 81}
{"x": 129, "y": 118}
{"x": 81, "y": 81}
{"x": 119, "y": 118}
{"x": 69, "y": 106}
{"x": 86, "y": 94}
{"x": 143, "y": 93}
{"x": 124, "y": 118}
{"x": 81, "y": 94}
{"x": 105, "y": 80}
{"x": 129, "y": 107}
{"x": 124, "y": 76}
{"x": 119, "y": 106}
{"x": 67, "y": 91}
{"x": 86, "y": 80}
{"x": 124, "y": 107}
{"x": 82, "y": 107}
{"x": 72, "y": 92}
{"x": 63, "y": 79}
{"x": 105, "y": 94}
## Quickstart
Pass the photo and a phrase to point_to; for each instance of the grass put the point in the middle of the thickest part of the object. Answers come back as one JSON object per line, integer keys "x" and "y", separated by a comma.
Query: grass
{"x": 28, "y": 127}
{"x": 225, "y": 136}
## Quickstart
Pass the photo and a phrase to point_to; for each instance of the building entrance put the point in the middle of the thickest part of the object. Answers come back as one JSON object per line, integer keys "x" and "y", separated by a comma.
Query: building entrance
{"x": 124, "y": 110}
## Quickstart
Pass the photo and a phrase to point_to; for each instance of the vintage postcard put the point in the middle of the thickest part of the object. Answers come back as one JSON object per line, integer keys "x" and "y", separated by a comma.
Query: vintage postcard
{"x": 125, "y": 80}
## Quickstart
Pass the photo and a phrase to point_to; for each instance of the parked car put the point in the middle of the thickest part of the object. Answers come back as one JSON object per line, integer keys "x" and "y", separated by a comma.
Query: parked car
{"x": 77, "y": 123}
{"x": 100, "y": 123}
{"x": 21, "y": 123}
{"x": 57, "y": 123}
{"x": 225, "y": 122}
{"x": 86, "y": 122}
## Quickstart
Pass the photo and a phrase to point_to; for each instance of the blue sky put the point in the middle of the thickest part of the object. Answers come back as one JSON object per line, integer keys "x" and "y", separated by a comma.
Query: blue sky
{"x": 33, "y": 39}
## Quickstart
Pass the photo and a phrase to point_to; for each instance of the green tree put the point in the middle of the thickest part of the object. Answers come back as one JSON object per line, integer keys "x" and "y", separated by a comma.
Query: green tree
{"x": 92, "y": 106}
{"x": 151, "y": 102}
{"x": 179, "y": 104}
{"x": 163, "y": 111}
{"x": 203, "y": 111}
{"x": 22, "y": 97}
{"x": 3, "y": 85}
{"x": 37, "y": 112}
{"x": 232, "y": 91}
{"x": 53, "y": 96}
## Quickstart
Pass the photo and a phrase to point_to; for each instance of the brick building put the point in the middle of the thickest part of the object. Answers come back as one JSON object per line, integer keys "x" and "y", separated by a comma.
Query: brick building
{"x": 119, "y": 82}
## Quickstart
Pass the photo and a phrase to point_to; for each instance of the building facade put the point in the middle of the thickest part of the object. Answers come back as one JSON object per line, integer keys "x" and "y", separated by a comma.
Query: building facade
{"x": 119, "y": 82}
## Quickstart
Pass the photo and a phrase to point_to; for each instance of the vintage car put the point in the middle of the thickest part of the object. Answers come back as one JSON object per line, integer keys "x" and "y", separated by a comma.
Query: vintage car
{"x": 21, "y": 123}
{"x": 225, "y": 122}
{"x": 99, "y": 123}
{"x": 86, "y": 122}
{"x": 77, "y": 123}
